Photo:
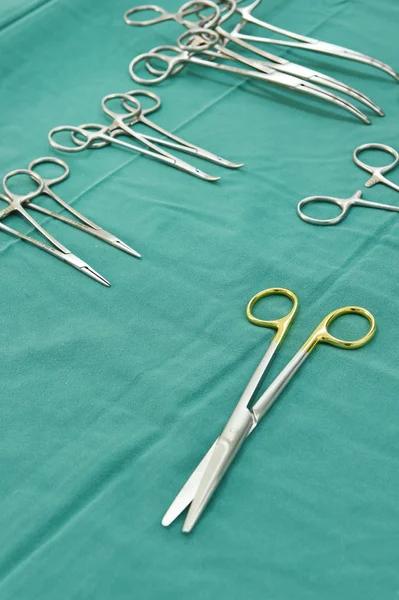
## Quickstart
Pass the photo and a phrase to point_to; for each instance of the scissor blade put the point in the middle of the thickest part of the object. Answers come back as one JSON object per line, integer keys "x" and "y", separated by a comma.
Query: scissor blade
{"x": 223, "y": 454}
{"x": 188, "y": 491}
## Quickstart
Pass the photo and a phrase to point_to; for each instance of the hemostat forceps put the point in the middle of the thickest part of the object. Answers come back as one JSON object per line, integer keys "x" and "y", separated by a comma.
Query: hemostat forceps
{"x": 94, "y": 135}
{"x": 83, "y": 223}
{"x": 303, "y": 42}
{"x": 270, "y": 65}
{"x": 201, "y": 485}
{"x": 16, "y": 205}
{"x": 186, "y": 52}
{"x": 345, "y": 204}
{"x": 139, "y": 115}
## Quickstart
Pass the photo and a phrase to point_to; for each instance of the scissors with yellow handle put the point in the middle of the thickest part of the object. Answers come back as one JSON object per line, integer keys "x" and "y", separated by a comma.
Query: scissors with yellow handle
{"x": 203, "y": 482}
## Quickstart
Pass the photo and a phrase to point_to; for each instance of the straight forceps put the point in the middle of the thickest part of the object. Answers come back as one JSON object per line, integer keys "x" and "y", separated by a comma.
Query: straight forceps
{"x": 83, "y": 223}
{"x": 203, "y": 482}
{"x": 16, "y": 205}
{"x": 345, "y": 204}
{"x": 185, "y": 52}
{"x": 304, "y": 43}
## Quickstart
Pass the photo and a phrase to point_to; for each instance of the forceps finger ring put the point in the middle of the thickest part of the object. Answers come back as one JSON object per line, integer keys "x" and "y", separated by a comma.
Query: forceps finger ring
{"x": 376, "y": 172}
{"x": 132, "y": 94}
{"x": 130, "y": 111}
{"x": 95, "y": 142}
{"x": 75, "y": 131}
{"x": 341, "y": 203}
{"x": 56, "y": 161}
{"x": 165, "y": 48}
{"x": 169, "y": 62}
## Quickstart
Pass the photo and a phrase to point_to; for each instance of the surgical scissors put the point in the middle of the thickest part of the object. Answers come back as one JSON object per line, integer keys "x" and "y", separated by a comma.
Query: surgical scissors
{"x": 303, "y": 42}
{"x": 203, "y": 482}
{"x": 185, "y": 53}
{"x": 16, "y": 205}
{"x": 94, "y": 135}
{"x": 83, "y": 223}
{"x": 274, "y": 62}
{"x": 377, "y": 173}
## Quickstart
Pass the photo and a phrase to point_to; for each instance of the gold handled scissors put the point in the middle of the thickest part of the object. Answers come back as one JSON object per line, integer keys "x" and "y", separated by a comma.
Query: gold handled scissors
{"x": 377, "y": 173}
{"x": 203, "y": 482}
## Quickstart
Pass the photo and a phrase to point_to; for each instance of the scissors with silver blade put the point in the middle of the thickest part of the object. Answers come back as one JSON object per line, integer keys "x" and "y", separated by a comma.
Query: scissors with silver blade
{"x": 303, "y": 42}
{"x": 16, "y": 205}
{"x": 203, "y": 482}
{"x": 83, "y": 223}
{"x": 187, "y": 53}
{"x": 214, "y": 22}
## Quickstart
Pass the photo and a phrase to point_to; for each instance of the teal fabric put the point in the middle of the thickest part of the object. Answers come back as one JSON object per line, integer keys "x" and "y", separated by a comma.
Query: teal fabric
{"x": 110, "y": 397}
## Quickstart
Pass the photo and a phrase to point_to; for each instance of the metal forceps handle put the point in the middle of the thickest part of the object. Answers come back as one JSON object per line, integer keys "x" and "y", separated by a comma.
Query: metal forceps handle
{"x": 173, "y": 64}
{"x": 17, "y": 200}
{"x": 49, "y": 182}
{"x": 345, "y": 204}
{"x": 377, "y": 173}
{"x": 319, "y": 335}
{"x": 179, "y": 17}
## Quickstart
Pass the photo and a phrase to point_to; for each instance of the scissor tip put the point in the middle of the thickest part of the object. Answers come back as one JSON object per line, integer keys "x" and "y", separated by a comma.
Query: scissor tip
{"x": 133, "y": 252}
{"x": 187, "y": 527}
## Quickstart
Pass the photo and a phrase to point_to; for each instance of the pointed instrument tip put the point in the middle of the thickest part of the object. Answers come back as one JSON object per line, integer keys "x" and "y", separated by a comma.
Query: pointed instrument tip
{"x": 229, "y": 164}
{"x": 128, "y": 249}
{"x": 90, "y": 272}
